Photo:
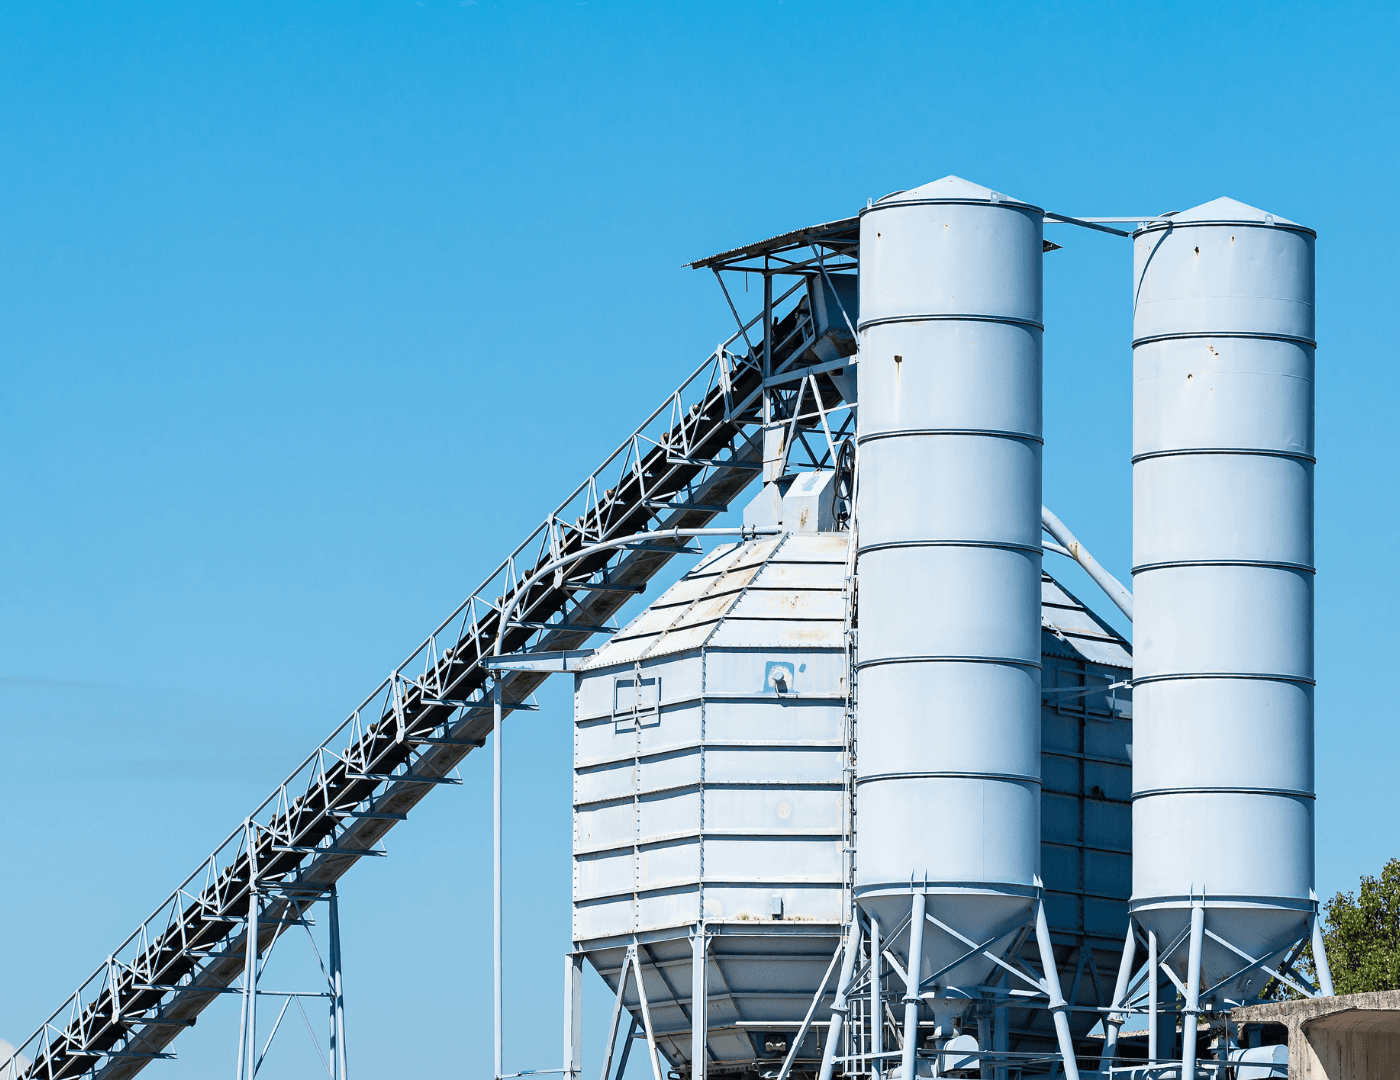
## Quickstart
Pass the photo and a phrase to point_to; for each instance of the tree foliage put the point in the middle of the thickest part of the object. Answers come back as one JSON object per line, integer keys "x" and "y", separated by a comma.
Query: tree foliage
{"x": 1363, "y": 934}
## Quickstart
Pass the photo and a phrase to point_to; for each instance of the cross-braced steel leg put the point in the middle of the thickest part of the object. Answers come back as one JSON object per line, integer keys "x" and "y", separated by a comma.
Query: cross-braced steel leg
{"x": 1057, "y": 1000}
{"x": 911, "y": 989}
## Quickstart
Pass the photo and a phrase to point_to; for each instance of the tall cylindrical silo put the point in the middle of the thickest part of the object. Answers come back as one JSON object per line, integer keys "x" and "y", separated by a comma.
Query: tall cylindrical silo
{"x": 1223, "y": 343}
{"x": 948, "y": 725}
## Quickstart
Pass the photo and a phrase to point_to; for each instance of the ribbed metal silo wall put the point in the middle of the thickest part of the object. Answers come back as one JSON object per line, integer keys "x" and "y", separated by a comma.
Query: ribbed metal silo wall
{"x": 1223, "y": 580}
{"x": 948, "y": 727}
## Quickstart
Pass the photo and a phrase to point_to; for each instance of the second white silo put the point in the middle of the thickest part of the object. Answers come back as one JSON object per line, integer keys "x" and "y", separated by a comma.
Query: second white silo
{"x": 1223, "y": 404}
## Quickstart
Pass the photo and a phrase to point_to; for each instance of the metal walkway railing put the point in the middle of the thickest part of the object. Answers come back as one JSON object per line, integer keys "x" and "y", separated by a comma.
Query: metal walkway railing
{"x": 684, "y": 465}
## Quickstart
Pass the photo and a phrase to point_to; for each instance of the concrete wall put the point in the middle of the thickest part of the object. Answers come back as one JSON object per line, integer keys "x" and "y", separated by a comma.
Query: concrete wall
{"x": 1349, "y": 1037}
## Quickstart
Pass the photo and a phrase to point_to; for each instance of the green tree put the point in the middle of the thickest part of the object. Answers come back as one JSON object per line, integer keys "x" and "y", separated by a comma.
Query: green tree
{"x": 1363, "y": 934}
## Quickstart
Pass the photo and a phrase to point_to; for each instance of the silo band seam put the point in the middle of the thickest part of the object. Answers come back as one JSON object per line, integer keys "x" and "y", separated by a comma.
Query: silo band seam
{"x": 988, "y": 433}
{"x": 1008, "y": 660}
{"x": 1304, "y": 680}
{"x": 1010, "y": 204}
{"x": 1190, "y": 451}
{"x": 1018, "y": 778}
{"x": 1034, "y": 549}
{"x": 982, "y": 888}
{"x": 1171, "y": 226}
{"x": 1306, "y": 568}
{"x": 1292, "y": 793}
{"x": 1251, "y": 900}
{"x": 934, "y": 316}
{"x": 1252, "y": 335}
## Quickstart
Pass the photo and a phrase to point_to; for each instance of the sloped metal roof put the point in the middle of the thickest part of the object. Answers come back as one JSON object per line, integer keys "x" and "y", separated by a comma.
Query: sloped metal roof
{"x": 786, "y": 591}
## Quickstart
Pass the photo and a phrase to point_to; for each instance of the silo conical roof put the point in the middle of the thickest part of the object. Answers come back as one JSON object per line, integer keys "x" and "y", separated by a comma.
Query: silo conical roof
{"x": 950, "y": 188}
{"x": 1226, "y": 210}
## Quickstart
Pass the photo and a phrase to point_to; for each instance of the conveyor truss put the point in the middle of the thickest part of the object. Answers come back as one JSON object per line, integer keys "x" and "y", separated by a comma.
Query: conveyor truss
{"x": 683, "y": 466}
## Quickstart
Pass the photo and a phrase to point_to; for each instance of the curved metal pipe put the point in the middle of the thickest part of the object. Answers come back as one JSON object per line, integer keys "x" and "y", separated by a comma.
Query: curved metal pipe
{"x": 1112, "y": 587}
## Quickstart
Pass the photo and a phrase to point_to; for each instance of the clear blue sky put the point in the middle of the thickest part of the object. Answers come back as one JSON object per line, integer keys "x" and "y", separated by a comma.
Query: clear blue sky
{"x": 308, "y": 312}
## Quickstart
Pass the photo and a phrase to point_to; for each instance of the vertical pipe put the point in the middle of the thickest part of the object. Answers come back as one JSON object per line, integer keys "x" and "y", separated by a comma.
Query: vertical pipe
{"x": 1057, "y": 1000}
{"x": 1193, "y": 992}
{"x": 337, "y": 990}
{"x": 911, "y": 987}
{"x": 1154, "y": 979}
{"x": 699, "y": 1001}
{"x": 1113, "y": 1021}
{"x": 840, "y": 1007}
{"x": 877, "y": 1009}
{"x": 1319, "y": 951}
{"x": 497, "y": 1030}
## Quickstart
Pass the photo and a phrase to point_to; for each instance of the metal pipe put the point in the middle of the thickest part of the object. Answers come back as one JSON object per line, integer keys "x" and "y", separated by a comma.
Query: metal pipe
{"x": 839, "y": 1007}
{"x": 1193, "y": 992}
{"x": 498, "y": 941}
{"x": 877, "y": 1012}
{"x": 1057, "y": 1000}
{"x": 1153, "y": 981}
{"x": 1113, "y": 1021}
{"x": 1114, "y": 589}
{"x": 1319, "y": 949}
{"x": 337, "y": 991}
{"x": 911, "y": 986}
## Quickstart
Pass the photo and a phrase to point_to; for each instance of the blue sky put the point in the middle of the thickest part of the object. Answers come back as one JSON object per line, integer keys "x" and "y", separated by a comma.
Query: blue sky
{"x": 309, "y": 311}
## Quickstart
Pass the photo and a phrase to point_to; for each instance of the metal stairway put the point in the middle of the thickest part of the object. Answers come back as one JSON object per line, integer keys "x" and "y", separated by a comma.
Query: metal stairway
{"x": 684, "y": 465}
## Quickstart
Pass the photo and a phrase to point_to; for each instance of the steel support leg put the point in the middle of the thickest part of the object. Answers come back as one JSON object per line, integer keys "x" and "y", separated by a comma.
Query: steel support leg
{"x": 248, "y": 1050}
{"x": 337, "y": 991}
{"x": 1001, "y": 1033}
{"x": 1057, "y": 1000}
{"x": 840, "y": 1008}
{"x": 632, "y": 1032}
{"x": 1154, "y": 980}
{"x": 699, "y": 1001}
{"x": 652, "y": 1052}
{"x": 498, "y": 1024}
{"x": 1320, "y": 965}
{"x": 573, "y": 1015}
{"x": 1114, "y": 1021}
{"x": 877, "y": 1010}
{"x": 1193, "y": 992}
{"x": 616, "y": 1017}
{"x": 911, "y": 989}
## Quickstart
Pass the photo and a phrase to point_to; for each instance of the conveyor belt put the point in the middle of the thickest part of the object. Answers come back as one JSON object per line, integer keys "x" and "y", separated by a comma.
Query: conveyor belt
{"x": 682, "y": 467}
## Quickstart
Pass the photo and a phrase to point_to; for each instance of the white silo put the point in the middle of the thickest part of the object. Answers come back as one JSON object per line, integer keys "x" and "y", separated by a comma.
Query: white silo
{"x": 1223, "y": 449}
{"x": 949, "y": 522}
